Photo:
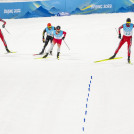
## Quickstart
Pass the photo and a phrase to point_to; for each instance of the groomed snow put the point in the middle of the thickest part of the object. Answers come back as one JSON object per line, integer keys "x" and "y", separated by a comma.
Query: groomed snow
{"x": 49, "y": 96}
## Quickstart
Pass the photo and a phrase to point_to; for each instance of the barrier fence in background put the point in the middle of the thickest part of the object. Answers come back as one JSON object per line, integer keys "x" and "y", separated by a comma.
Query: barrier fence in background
{"x": 10, "y": 9}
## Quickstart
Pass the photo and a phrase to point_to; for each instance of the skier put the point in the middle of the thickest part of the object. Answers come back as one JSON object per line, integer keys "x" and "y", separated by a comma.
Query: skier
{"x": 48, "y": 30}
{"x": 2, "y": 37}
{"x": 58, "y": 35}
{"x": 127, "y": 37}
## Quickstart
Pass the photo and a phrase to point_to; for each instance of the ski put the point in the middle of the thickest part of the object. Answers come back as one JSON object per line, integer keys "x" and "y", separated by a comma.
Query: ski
{"x": 41, "y": 54}
{"x": 41, "y": 58}
{"x": 107, "y": 59}
{"x": 37, "y": 54}
{"x": 130, "y": 63}
{"x": 10, "y": 52}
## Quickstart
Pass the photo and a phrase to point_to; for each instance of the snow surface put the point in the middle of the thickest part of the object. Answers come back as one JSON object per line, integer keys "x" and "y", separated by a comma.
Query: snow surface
{"x": 49, "y": 96}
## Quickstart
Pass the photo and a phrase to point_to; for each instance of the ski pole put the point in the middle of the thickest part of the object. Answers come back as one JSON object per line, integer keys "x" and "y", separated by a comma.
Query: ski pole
{"x": 117, "y": 33}
{"x": 116, "y": 30}
{"x": 66, "y": 45}
{"x": 6, "y": 30}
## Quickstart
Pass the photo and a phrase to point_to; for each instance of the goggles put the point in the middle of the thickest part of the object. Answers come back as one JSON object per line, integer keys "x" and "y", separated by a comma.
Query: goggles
{"x": 128, "y": 22}
{"x": 49, "y": 26}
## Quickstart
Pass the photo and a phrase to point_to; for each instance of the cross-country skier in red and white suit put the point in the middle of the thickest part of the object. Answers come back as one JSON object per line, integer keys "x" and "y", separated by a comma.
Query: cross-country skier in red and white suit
{"x": 2, "y": 37}
{"x": 127, "y": 37}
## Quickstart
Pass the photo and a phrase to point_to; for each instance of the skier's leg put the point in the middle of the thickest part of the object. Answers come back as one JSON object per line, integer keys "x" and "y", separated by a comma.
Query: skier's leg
{"x": 129, "y": 48}
{"x": 51, "y": 44}
{"x": 58, "y": 49}
{"x": 4, "y": 42}
{"x": 51, "y": 51}
{"x": 120, "y": 45}
{"x": 46, "y": 43}
{"x": 51, "y": 47}
{"x": 118, "y": 48}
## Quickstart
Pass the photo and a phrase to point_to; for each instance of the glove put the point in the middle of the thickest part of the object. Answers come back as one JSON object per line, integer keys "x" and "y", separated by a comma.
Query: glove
{"x": 119, "y": 36}
{"x": 3, "y": 25}
{"x": 43, "y": 40}
{"x": 63, "y": 38}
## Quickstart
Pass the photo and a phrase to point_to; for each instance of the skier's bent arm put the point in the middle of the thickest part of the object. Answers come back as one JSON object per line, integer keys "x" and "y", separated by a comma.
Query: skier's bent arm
{"x": 43, "y": 33}
{"x": 120, "y": 29}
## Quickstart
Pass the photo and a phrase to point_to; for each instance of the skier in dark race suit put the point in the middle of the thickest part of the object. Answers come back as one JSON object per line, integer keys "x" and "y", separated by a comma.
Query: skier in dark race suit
{"x": 127, "y": 37}
{"x": 2, "y": 37}
{"x": 49, "y": 37}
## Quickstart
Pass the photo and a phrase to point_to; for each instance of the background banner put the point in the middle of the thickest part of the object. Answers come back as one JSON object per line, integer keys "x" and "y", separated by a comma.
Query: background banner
{"x": 49, "y": 8}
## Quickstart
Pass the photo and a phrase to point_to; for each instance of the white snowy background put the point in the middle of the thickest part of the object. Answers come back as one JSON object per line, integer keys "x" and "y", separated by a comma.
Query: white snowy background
{"x": 49, "y": 96}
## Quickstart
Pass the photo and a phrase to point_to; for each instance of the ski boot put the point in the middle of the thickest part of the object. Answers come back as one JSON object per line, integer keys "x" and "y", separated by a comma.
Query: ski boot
{"x": 45, "y": 56}
{"x": 58, "y": 55}
{"x": 42, "y": 52}
{"x": 112, "y": 56}
{"x": 129, "y": 60}
{"x": 8, "y": 51}
{"x": 50, "y": 52}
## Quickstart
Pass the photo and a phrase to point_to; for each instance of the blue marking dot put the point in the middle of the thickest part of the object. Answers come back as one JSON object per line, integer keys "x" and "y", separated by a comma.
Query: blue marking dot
{"x": 88, "y": 89}
{"x": 86, "y": 105}
{"x": 83, "y": 128}
{"x": 89, "y": 85}
{"x": 88, "y": 94}
{"x": 87, "y": 99}
{"x": 84, "y": 120}
{"x": 91, "y": 77}
{"x": 85, "y": 112}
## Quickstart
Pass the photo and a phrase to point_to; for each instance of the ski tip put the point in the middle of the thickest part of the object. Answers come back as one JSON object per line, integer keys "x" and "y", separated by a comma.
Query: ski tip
{"x": 130, "y": 63}
{"x": 42, "y": 58}
{"x": 35, "y": 54}
{"x": 118, "y": 58}
{"x": 10, "y": 52}
{"x": 39, "y": 58}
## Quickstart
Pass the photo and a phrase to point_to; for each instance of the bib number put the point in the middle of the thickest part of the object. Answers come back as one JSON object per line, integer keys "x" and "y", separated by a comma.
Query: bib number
{"x": 128, "y": 33}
